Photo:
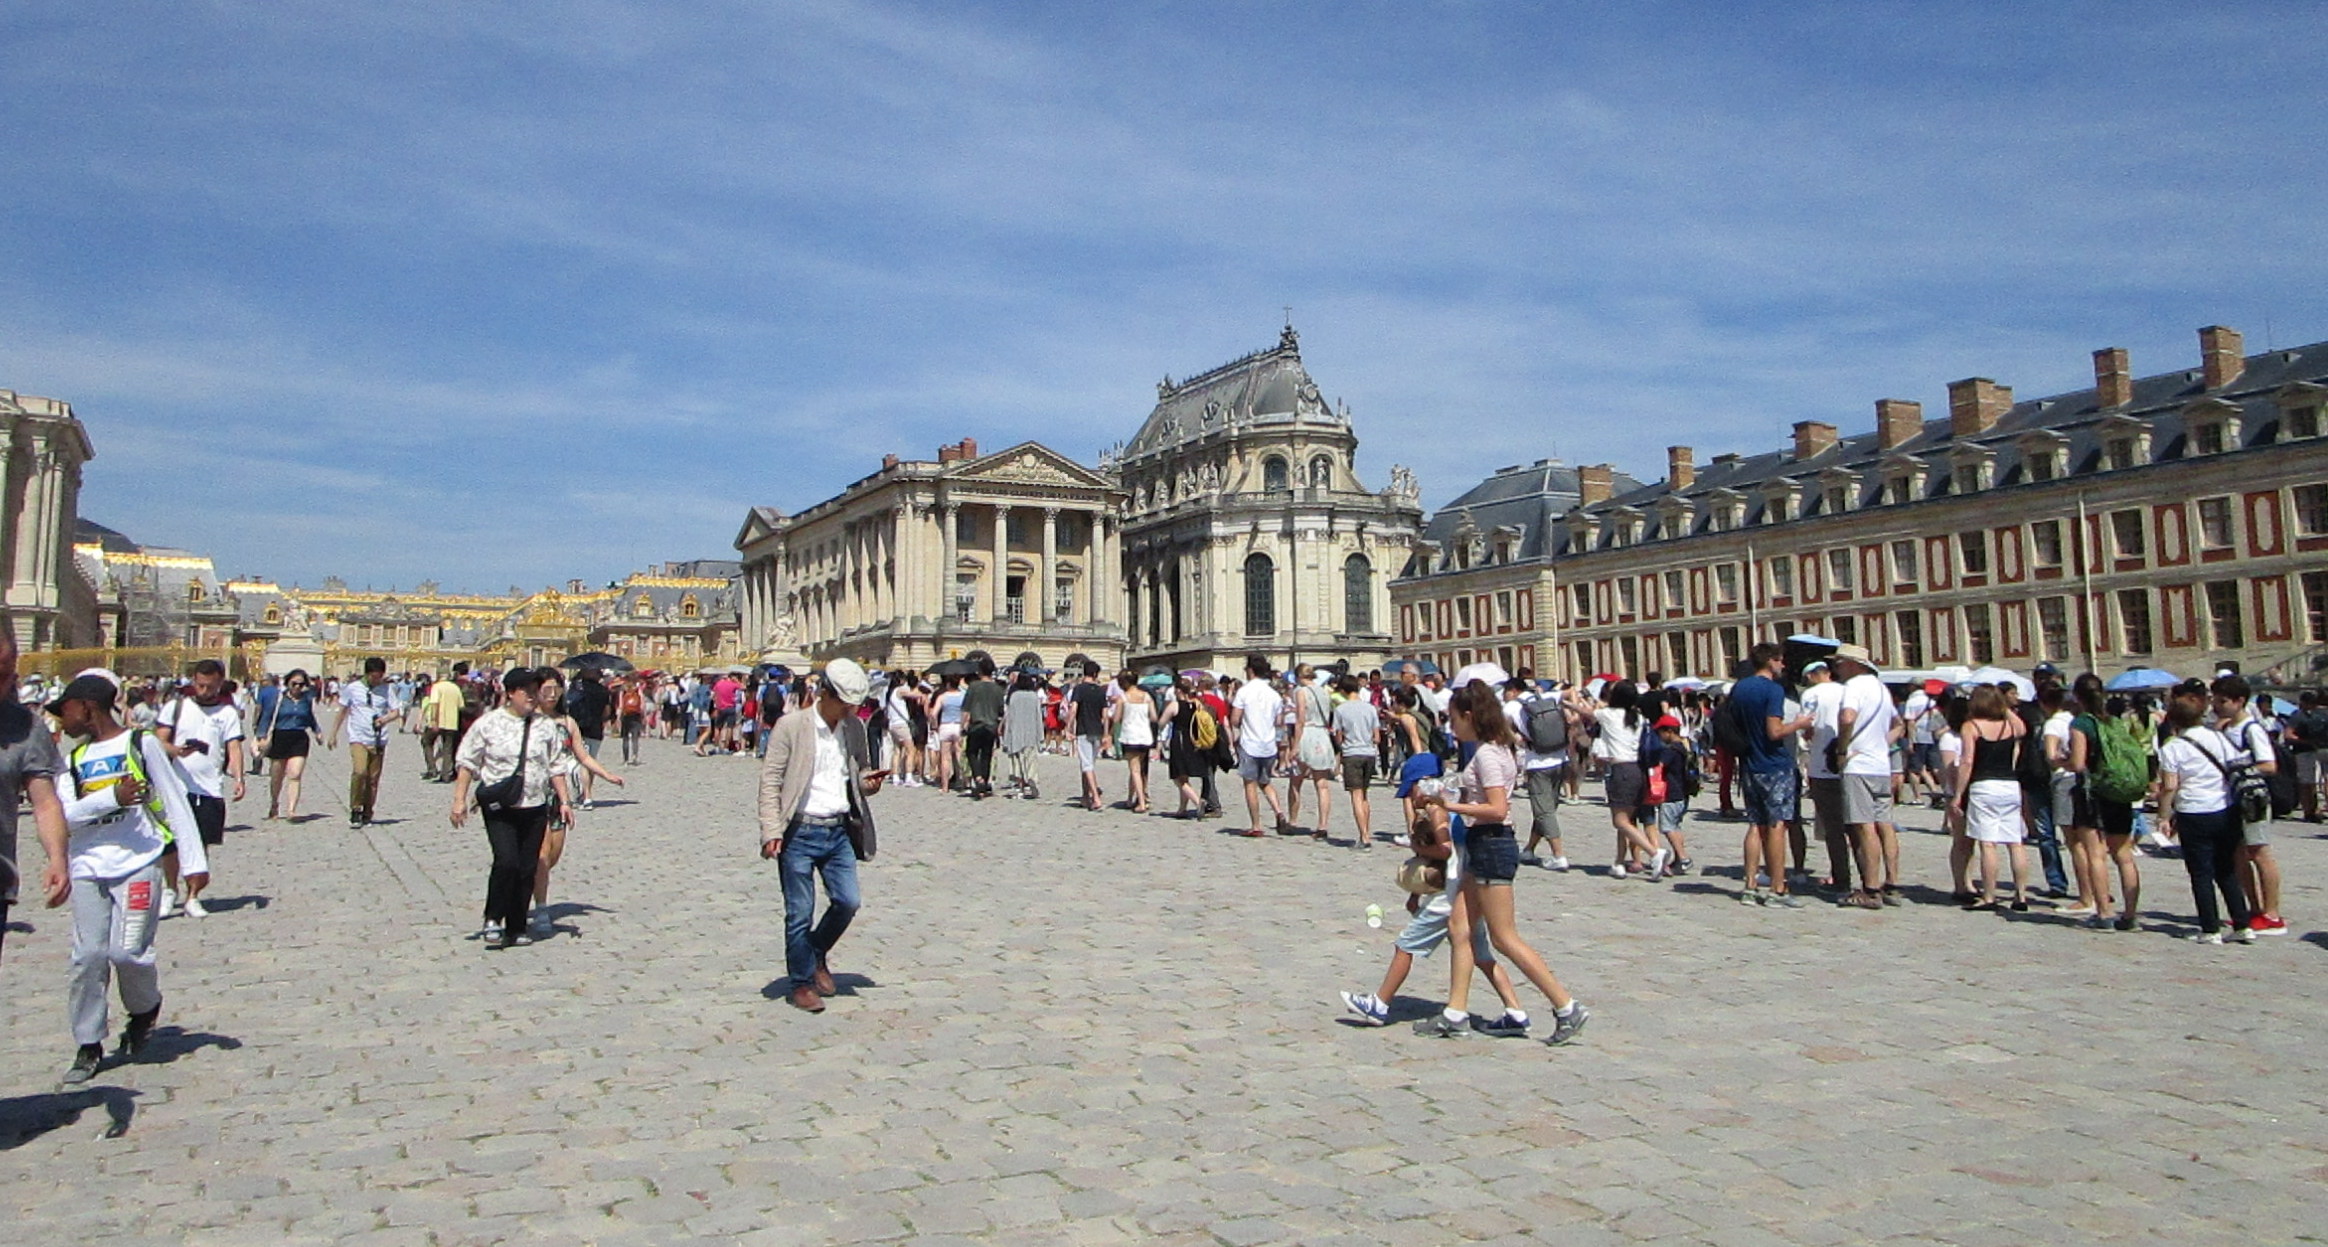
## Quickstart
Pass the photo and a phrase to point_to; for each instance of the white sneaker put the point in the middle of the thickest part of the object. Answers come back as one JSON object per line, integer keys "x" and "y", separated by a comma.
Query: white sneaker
{"x": 1557, "y": 863}
{"x": 194, "y": 908}
{"x": 2206, "y": 937}
{"x": 1657, "y": 863}
{"x": 169, "y": 903}
{"x": 1617, "y": 871}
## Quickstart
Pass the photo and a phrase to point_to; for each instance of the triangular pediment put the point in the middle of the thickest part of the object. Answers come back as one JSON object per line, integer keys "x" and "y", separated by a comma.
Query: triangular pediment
{"x": 759, "y": 524}
{"x": 1028, "y": 463}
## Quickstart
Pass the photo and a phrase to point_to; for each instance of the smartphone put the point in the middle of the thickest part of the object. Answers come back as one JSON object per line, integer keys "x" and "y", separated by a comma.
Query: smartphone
{"x": 197, "y": 746}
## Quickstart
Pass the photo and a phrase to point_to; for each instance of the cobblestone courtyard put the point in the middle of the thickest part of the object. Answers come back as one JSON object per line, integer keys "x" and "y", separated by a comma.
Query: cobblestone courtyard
{"x": 1068, "y": 1027}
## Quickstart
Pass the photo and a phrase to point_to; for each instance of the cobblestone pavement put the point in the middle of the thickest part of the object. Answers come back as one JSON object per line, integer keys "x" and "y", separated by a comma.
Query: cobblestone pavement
{"x": 1068, "y": 1027}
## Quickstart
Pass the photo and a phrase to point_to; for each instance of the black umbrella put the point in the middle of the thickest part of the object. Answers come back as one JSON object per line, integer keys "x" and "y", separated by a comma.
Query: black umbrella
{"x": 599, "y": 661}
{"x": 953, "y": 666}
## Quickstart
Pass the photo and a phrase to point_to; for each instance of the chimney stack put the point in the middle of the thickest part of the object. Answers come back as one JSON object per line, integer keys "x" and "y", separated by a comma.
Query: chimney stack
{"x": 961, "y": 451}
{"x": 1680, "y": 467}
{"x": 1595, "y": 484}
{"x": 888, "y": 462}
{"x": 1897, "y": 422}
{"x": 1975, "y": 404}
{"x": 2113, "y": 382}
{"x": 2222, "y": 353}
{"x": 1813, "y": 439}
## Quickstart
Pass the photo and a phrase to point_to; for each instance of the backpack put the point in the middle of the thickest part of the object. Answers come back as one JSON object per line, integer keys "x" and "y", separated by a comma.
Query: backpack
{"x": 1546, "y": 721}
{"x": 2033, "y": 768}
{"x": 1204, "y": 731}
{"x": 1729, "y": 729}
{"x": 2121, "y": 772}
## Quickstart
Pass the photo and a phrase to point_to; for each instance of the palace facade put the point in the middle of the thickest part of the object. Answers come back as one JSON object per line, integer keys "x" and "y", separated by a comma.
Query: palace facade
{"x": 2172, "y": 520}
{"x": 1246, "y": 526}
{"x": 1011, "y": 552}
{"x": 42, "y": 448}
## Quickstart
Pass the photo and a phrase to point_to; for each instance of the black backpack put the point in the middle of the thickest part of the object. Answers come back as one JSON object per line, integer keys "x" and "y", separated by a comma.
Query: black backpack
{"x": 1547, "y": 723}
{"x": 1730, "y": 730}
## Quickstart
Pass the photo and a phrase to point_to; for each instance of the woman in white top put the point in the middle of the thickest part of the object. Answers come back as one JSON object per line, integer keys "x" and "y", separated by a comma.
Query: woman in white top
{"x": 904, "y": 695}
{"x": 572, "y": 758}
{"x": 2195, "y": 803}
{"x": 1618, "y": 725}
{"x": 948, "y": 742}
{"x": 1133, "y": 718}
{"x": 1487, "y": 860}
{"x": 1313, "y": 748}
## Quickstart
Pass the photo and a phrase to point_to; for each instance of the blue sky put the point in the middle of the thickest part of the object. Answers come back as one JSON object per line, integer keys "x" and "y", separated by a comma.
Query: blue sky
{"x": 503, "y": 294}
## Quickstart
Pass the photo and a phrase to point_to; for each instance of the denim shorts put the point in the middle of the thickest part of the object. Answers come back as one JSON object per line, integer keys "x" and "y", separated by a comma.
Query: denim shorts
{"x": 1669, "y": 815}
{"x": 1255, "y": 770}
{"x": 1494, "y": 855}
{"x": 1772, "y": 797}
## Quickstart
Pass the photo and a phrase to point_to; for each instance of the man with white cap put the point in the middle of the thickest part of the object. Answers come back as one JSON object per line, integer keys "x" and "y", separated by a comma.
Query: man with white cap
{"x": 1863, "y": 729}
{"x": 815, "y": 820}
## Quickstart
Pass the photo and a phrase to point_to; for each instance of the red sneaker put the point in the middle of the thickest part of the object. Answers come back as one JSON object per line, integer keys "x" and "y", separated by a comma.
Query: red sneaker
{"x": 2268, "y": 924}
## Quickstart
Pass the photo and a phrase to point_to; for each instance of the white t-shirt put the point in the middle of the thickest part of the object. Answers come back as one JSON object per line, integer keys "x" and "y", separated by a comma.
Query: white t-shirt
{"x": 2057, "y": 733}
{"x": 2192, "y": 757}
{"x": 1824, "y": 703}
{"x": 363, "y": 704}
{"x": 828, "y": 784}
{"x": 214, "y": 726}
{"x": 1258, "y": 707}
{"x": 1516, "y": 714}
{"x": 1871, "y": 705}
{"x": 1617, "y": 742}
{"x": 1922, "y": 723}
{"x": 108, "y": 840}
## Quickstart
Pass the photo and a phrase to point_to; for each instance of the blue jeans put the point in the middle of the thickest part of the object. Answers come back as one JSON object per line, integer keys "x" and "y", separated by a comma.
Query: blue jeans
{"x": 808, "y": 849}
{"x": 2048, "y": 841}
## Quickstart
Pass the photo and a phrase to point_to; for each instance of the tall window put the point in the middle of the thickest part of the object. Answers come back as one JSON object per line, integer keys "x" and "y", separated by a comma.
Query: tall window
{"x": 2045, "y": 543}
{"x": 1063, "y": 600}
{"x": 1903, "y": 561}
{"x": 2053, "y": 628}
{"x": 1726, "y": 583}
{"x": 2126, "y": 531}
{"x": 965, "y": 595}
{"x": 1357, "y": 593}
{"x": 1845, "y": 628}
{"x": 1979, "y": 634}
{"x": 1628, "y": 596}
{"x": 1974, "y": 547}
{"x": 2214, "y": 522}
{"x": 1839, "y": 570}
{"x": 2134, "y": 620}
{"x": 2223, "y": 612}
{"x": 2312, "y": 510}
{"x": 1909, "y": 627}
{"x": 1673, "y": 596}
{"x": 2316, "y": 605}
{"x": 1273, "y": 474}
{"x": 1782, "y": 576}
{"x": 1261, "y": 590}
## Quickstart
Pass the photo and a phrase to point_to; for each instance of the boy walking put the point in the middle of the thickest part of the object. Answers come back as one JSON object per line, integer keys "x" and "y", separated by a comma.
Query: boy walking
{"x": 127, "y": 802}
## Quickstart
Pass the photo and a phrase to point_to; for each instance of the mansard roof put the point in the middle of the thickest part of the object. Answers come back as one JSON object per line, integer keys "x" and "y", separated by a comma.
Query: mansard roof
{"x": 1268, "y": 388}
{"x": 2075, "y": 423}
{"x": 1529, "y": 499}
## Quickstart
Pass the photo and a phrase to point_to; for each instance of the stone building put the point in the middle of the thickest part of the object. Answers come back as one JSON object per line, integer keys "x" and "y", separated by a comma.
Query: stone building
{"x": 53, "y": 605}
{"x": 1246, "y": 528}
{"x": 673, "y": 617}
{"x": 2174, "y": 520}
{"x": 923, "y": 560}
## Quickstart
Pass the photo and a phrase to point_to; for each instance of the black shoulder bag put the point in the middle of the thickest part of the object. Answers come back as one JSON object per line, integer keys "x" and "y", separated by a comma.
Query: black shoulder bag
{"x": 505, "y": 793}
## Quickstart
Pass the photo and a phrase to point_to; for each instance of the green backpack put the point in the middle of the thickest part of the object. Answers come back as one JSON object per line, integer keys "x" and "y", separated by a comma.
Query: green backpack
{"x": 2122, "y": 772}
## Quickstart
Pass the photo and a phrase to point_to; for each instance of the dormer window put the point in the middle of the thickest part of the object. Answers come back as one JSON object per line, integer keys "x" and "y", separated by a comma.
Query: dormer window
{"x": 643, "y": 607}
{"x": 689, "y": 608}
{"x": 1781, "y": 501}
{"x": 2125, "y": 443}
{"x": 1974, "y": 470}
{"x": 1837, "y": 499}
{"x": 2300, "y": 422}
{"x": 274, "y": 614}
{"x": 2213, "y": 426}
{"x": 1275, "y": 475}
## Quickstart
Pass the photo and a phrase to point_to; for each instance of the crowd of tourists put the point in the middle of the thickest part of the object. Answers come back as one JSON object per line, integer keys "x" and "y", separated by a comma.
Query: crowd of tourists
{"x": 129, "y": 784}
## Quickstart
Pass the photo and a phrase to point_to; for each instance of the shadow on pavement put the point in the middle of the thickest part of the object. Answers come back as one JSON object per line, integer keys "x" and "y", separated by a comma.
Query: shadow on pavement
{"x": 27, "y": 1117}
{"x": 168, "y": 1043}
{"x": 780, "y": 987}
{"x": 228, "y": 904}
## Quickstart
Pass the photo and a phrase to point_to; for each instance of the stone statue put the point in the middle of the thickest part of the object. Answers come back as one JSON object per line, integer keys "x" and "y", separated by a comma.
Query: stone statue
{"x": 1402, "y": 483}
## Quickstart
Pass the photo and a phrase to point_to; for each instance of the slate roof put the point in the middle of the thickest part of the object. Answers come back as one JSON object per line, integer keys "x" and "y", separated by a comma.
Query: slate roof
{"x": 1264, "y": 388}
{"x": 1530, "y": 498}
{"x": 2159, "y": 403}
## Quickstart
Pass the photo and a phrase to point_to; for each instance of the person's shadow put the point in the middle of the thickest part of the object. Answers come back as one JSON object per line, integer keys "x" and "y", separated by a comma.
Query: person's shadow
{"x": 780, "y": 987}
{"x": 228, "y": 904}
{"x": 27, "y": 1117}
{"x": 168, "y": 1043}
{"x": 569, "y": 909}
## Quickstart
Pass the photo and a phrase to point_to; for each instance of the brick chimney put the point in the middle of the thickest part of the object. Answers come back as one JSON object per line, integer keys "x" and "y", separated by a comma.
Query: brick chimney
{"x": 2222, "y": 353}
{"x": 960, "y": 451}
{"x": 1897, "y": 422}
{"x": 888, "y": 462}
{"x": 1595, "y": 484}
{"x": 1680, "y": 467}
{"x": 1975, "y": 404}
{"x": 2113, "y": 382}
{"x": 1813, "y": 439}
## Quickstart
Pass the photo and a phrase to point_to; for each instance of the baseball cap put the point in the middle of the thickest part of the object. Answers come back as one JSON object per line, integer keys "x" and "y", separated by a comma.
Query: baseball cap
{"x": 86, "y": 687}
{"x": 1665, "y": 721}
{"x": 847, "y": 680}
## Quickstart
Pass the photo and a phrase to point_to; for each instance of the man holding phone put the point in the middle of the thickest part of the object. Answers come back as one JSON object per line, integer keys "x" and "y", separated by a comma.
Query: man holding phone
{"x": 815, "y": 820}
{"x": 366, "y": 709}
{"x": 203, "y": 730}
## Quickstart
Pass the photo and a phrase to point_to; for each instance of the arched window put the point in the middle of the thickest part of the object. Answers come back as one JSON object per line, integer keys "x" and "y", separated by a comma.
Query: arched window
{"x": 689, "y": 608}
{"x": 1357, "y": 594}
{"x": 274, "y": 614}
{"x": 1274, "y": 474}
{"x": 643, "y": 607}
{"x": 1322, "y": 471}
{"x": 194, "y": 588}
{"x": 1261, "y": 592}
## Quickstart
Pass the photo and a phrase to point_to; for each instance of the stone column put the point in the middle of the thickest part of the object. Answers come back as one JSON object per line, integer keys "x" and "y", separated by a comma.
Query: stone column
{"x": 901, "y": 562}
{"x": 1001, "y": 571}
{"x": 1047, "y": 570}
{"x": 953, "y": 556}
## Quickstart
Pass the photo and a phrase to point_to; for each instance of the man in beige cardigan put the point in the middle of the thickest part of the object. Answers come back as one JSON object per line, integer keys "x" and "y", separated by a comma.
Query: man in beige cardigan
{"x": 815, "y": 819}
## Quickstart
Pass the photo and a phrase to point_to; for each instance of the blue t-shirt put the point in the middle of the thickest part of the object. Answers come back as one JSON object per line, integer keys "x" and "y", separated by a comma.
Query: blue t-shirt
{"x": 1756, "y": 700}
{"x": 297, "y": 713}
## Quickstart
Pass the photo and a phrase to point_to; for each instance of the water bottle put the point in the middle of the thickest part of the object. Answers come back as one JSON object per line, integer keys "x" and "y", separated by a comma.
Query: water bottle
{"x": 1374, "y": 915}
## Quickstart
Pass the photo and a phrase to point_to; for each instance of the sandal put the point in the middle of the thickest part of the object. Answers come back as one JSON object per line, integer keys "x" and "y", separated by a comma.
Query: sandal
{"x": 1862, "y": 900}
{"x": 1981, "y": 907}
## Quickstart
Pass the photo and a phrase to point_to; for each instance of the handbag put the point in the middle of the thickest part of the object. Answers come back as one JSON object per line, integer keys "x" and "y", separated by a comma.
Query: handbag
{"x": 1421, "y": 878}
{"x": 505, "y": 793}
